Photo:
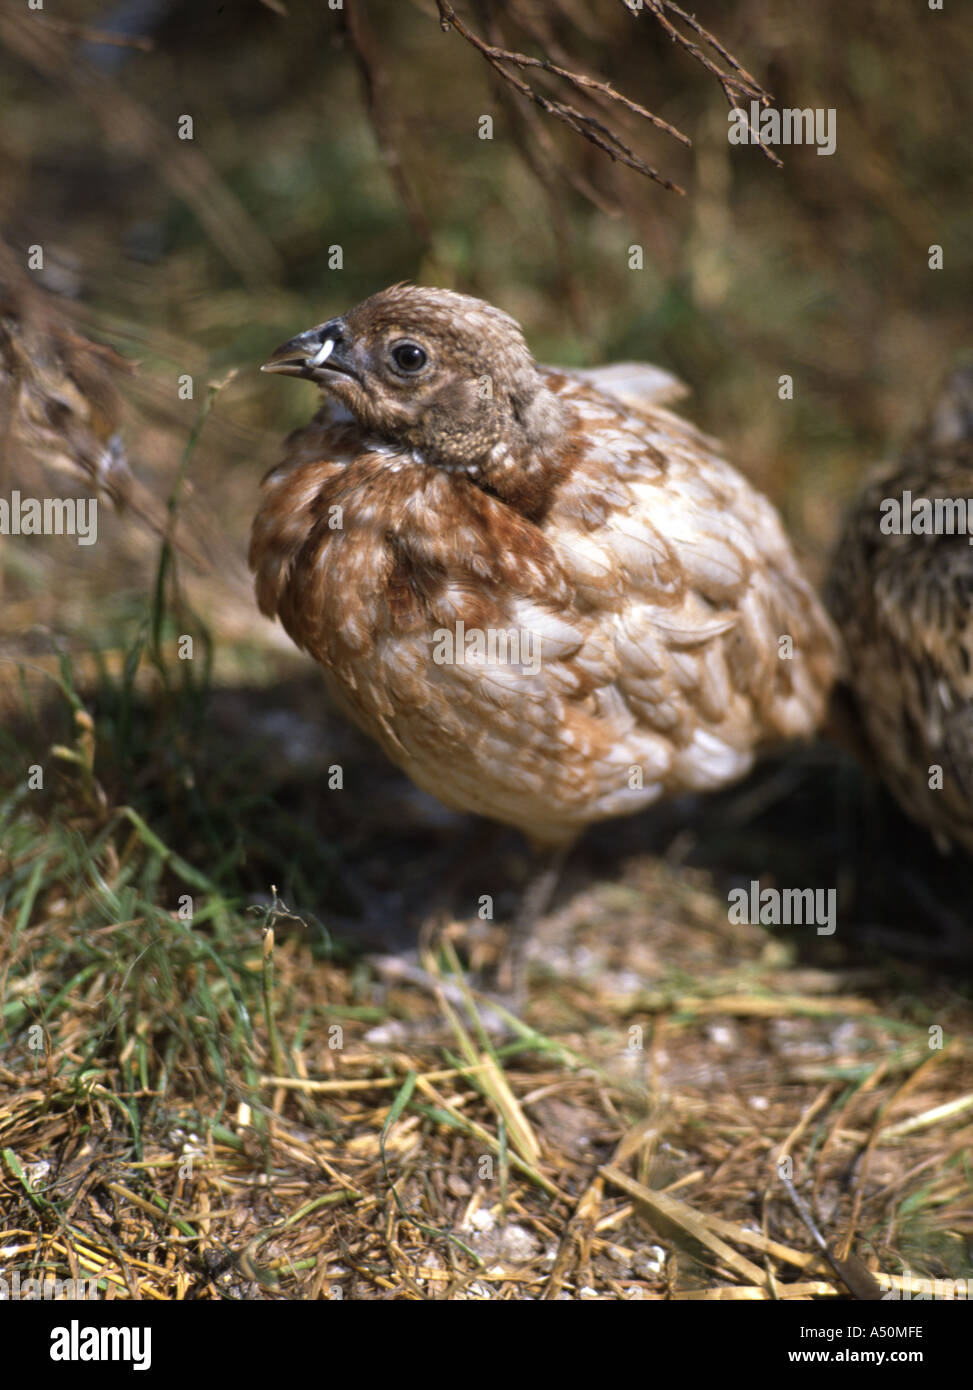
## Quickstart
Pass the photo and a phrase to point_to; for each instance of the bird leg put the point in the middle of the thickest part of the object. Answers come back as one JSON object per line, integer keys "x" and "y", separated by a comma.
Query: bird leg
{"x": 542, "y": 878}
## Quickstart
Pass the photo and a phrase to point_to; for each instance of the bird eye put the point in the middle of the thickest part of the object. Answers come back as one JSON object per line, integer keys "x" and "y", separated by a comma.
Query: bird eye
{"x": 409, "y": 357}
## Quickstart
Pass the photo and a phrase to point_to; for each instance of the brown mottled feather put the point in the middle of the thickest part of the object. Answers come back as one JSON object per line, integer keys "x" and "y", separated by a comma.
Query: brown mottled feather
{"x": 657, "y": 581}
{"x": 904, "y": 604}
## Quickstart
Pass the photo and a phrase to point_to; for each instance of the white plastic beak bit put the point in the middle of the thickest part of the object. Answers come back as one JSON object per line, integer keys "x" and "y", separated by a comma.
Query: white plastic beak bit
{"x": 322, "y": 354}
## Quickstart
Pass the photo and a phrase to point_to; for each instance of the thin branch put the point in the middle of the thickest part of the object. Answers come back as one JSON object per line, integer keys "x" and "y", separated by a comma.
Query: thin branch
{"x": 577, "y": 79}
{"x": 538, "y": 146}
{"x": 748, "y": 84}
{"x": 733, "y": 87}
{"x": 591, "y": 129}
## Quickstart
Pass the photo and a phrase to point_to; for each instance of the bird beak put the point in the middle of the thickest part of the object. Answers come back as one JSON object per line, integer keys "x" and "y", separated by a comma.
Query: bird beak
{"x": 315, "y": 355}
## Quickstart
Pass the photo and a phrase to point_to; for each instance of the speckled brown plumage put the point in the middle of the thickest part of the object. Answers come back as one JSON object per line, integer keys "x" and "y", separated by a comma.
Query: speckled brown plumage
{"x": 904, "y": 603}
{"x": 482, "y": 488}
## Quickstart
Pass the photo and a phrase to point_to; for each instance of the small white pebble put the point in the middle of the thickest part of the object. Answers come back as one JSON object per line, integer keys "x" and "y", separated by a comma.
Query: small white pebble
{"x": 652, "y": 1259}
{"x": 387, "y": 1034}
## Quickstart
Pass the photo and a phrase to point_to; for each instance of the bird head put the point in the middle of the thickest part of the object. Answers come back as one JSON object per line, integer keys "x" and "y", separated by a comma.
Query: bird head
{"x": 442, "y": 374}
